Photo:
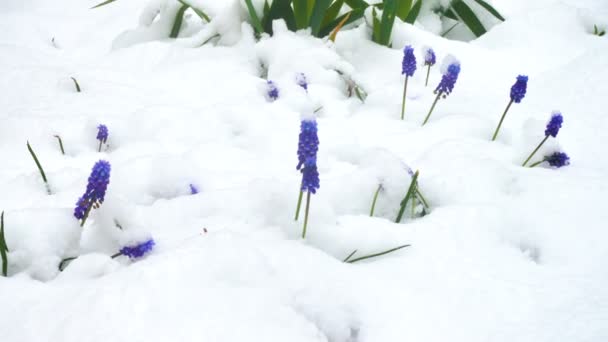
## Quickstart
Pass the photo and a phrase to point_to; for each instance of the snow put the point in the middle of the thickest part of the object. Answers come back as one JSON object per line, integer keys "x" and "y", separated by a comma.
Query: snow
{"x": 506, "y": 254}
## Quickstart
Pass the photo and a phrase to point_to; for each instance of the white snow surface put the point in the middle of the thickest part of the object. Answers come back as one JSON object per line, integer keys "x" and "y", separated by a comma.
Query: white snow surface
{"x": 506, "y": 254}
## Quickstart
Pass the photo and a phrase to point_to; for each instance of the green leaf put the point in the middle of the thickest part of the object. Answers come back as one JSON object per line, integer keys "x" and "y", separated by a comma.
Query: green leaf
{"x": 103, "y": 3}
{"x": 357, "y": 4}
{"x": 198, "y": 12}
{"x": 76, "y": 85}
{"x": 413, "y": 15}
{"x": 255, "y": 20}
{"x": 300, "y": 10}
{"x": 449, "y": 14}
{"x": 410, "y": 192}
{"x": 490, "y": 9}
{"x": 387, "y": 21}
{"x": 40, "y": 169}
{"x": 468, "y": 17}
{"x": 177, "y": 22}
{"x": 332, "y": 13}
{"x": 318, "y": 13}
{"x": 375, "y": 26}
{"x": 354, "y": 16}
{"x": 280, "y": 9}
{"x": 3, "y": 247}
{"x": 403, "y": 8}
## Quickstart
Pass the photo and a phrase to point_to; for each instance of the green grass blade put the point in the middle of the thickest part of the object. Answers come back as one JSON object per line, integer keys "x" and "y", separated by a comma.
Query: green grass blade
{"x": 357, "y": 4}
{"x": 300, "y": 11}
{"x": 468, "y": 17}
{"x": 377, "y": 254}
{"x": 103, "y": 3}
{"x": 414, "y": 12}
{"x": 3, "y": 247}
{"x": 60, "y": 144}
{"x": 255, "y": 20}
{"x": 490, "y": 9}
{"x": 198, "y": 12}
{"x": 177, "y": 23}
{"x": 37, "y": 163}
{"x": 318, "y": 13}
{"x": 387, "y": 21}
{"x": 403, "y": 8}
{"x": 331, "y": 14}
{"x": 349, "y": 256}
{"x": 410, "y": 193}
{"x": 449, "y": 14}
{"x": 354, "y": 16}
{"x": 76, "y": 85}
{"x": 280, "y": 9}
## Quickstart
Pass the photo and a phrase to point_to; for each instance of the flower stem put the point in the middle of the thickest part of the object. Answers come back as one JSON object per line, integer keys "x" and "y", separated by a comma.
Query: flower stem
{"x": 421, "y": 198}
{"x": 349, "y": 256}
{"x": 371, "y": 211}
{"x": 537, "y": 163}
{"x": 86, "y": 214}
{"x": 99, "y": 149}
{"x": 403, "y": 101}
{"x": 116, "y": 255}
{"x": 3, "y": 247}
{"x": 60, "y": 144}
{"x": 413, "y": 205}
{"x": 501, "y": 120}
{"x": 535, "y": 150}
{"x": 306, "y": 214}
{"x": 431, "y": 110}
{"x": 377, "y": 254}
{"x": 48, "y": 189}
{"x": 299, "y": 205}
{"x": 409, "y": 193}
{"x": 428, "y": 71}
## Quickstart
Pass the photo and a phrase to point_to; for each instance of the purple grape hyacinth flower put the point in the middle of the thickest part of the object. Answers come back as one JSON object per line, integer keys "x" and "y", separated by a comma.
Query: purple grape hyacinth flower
{"x": 138, "y": 250}
{"x": 558, "y": 159}
{"x": 429, "y": 57}
{"x": 308, "y": 142}
{"x": 310, "y": 176}
{"x": 273, "y": 91}
{"x": 302, "y": 82}
{"x": 96, "y": 190}
{"x": 408, "y": 64}
{"x": 518, "y": 90}
{"x": 448, "y": 80}
{"x": 193, "y": 189}
{"x": 102, "y": 133}
{"x": 554, "y": 124}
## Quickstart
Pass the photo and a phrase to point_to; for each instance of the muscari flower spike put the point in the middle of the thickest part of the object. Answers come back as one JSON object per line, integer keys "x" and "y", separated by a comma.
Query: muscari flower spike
{"x": 553, "y": 126}
{"x": 193, "y": 189}
{"x": 138, "y": 250}
{"x": 102, "y": 135}
{"x": 310, "y": 176}
{"x": 96, "y": 190}
{"x": 408, "y": 67}
{"x": 308, "y": 145}
{"x": 308, "y": 142}
{"x": 429, "y": 61}
{"x": 301, "y": 80}
{"x": 273, "y": 91}
{"x": 558, "y": 159}
{"x": 446, "y": 86}
{"x": 518, "y": 91}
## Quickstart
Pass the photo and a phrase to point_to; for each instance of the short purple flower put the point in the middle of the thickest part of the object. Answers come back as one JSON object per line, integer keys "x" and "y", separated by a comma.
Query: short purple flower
{"x": 554, "y": 124}
{"x": 429, "y": 57}
{"x": 558, "y": 159}
{"x": 518, "y": 90}
{"x": 301, "y": 80}
{"x": 310, "y": 176}
{"x": 446, "y": 86}
{"x": 102, "y": 133}
{"x": 96, "y": 188}
{"x": 138, "y": 250}
{"x": 193, "y": 189}
{"x": 308, "y": 142}
{"x": 408, "y": 65}
{"x": 273, "y": 91}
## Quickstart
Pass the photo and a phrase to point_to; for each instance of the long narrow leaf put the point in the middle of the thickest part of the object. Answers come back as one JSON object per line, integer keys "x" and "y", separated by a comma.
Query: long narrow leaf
{"x": 318, "y": 13}
{"x": 300, "y": 11}
{"x": 40, "y": 169}
{"x": 403, "y": 8}
{"x": 357, "y": 4}
{"x": 334, "y": 33}
{"x": 376, "y": 254}
{"x": 3, "y": 247}
{"x": 449, "y": 14}
{"x": 490, "y": 9}
{"x": 280, "y": 9}
{"x": 255, "y": 20}
{"x": 410, "y": 193}
{"x": 103, "y": 4}
{"x": 198, "y": 12}
{"x": 353, "y": 16}
{"x": 387, "y": 21}
{"x": 177, "y": 22}
{"x": 468, "y": 17}
{"x": 414, "y": 12}
{"x": 332, "y": 13}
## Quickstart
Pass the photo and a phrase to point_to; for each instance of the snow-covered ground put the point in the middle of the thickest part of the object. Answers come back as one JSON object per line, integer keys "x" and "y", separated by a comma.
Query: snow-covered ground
{"x": 506, "y": 254}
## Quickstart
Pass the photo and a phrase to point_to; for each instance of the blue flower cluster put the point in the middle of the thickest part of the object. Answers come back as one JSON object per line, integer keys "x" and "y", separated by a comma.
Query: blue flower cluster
{"x": 558, "y": 159}
{"x": 429, "y": 57}
{"x": 96, "y": 189}
{"x": 554, "y": 124}
{"x": 273, "y": 91}
{"x": 310, "y": 176}
{"x": 102, "y": 133}
{"x": 518, "y": 90}
{"x": 139, "y": 250}
{"x": 308, "y": 145}
{"x": 193, "y": 189}
{"x": 448, "y": 80}
{"x": 408, "y": 65}
{"x": 301, "y": 80}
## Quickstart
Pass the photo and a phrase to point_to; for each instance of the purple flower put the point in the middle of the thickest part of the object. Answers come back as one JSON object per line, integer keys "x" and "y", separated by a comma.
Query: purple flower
{"x": 96, "y": 189}
{"x": 308, "y": 142}
{"x": 138, "y": 250}
{"x": 518, "y": 90}
{"x": 446, "y": 86}
{"x": 102, "y": 133}
{"x": 429, "y": 57}
{"x": 301, "y": 80}
{"x": 273, "y": 91}
{"x": 193, "y": 189}
{"x": 408, "y": 65}
{"x": 558, "y": 159}
{"x": 310, "y": 176}
{"x": 554, "y": 124}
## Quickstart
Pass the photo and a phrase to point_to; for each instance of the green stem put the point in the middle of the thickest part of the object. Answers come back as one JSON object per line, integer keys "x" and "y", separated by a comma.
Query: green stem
{"x": 428, "y": 71}
{"x": 86, "y": 214}
{"x": 65, "y": 262}
{"x": 299, "y": 205}
{"x": 3, "y": 247}
{"x": 99, "y": 149}
{"x": 403, "y": 101}
{"x": 371, "y": 211}
{"x": 60, "y": 144}
{"x": 76, "y": 84}
{"x": 378, "y": 254}
{"x": 413, "y": 205}
{"x": 421, "y": 198}
{"x": 431, "y": 110}
{"x": 537, "y": 163}
{"x": 535, "y": 150}
{"x": 349, "y": 256}
{"x": 198, "y": 12}
{"x": 501, "y": 120}
{"x": 48, "y": 189}
{"x": 409, "y": 193}
{"x": 306, "y": 214}
{"x": 116, "y": 255}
